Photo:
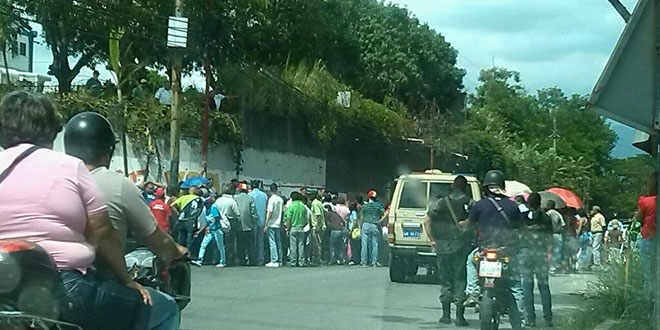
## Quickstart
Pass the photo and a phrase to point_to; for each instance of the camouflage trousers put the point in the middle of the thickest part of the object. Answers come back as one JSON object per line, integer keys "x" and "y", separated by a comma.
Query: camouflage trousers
{"x": 452, "y": 276}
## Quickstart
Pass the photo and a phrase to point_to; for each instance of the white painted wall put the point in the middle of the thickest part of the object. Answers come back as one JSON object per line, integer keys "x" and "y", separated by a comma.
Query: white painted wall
{"x": 19, "y": 62}
{"x": 286, "y": 169}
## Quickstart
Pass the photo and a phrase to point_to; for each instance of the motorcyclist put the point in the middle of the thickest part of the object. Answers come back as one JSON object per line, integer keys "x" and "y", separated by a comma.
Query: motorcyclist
{"x": 90, "y": 137}
{"x": 51, "y": 199}
{"x": 498, "y": 220}
{"x": 451, "y": 244}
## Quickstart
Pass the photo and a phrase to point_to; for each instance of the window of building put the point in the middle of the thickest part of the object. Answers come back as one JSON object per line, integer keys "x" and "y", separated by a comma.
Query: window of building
{"x": 23, "y": 51}
{"x": 14, "y": 49}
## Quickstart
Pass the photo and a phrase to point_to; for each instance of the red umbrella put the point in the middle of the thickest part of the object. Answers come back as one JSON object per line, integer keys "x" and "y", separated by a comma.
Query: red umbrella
{"x": 570, "y": 198}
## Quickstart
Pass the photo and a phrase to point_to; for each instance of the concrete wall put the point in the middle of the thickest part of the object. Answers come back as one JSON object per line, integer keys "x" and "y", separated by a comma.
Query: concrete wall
{"x": 286, "y": 169}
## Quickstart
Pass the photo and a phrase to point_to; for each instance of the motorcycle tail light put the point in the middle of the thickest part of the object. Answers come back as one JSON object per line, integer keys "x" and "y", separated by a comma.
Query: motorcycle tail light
{"x": 491, "y": 255}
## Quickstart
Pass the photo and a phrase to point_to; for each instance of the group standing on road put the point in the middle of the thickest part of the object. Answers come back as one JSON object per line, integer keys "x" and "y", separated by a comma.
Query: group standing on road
{"x": 252, "y": 227}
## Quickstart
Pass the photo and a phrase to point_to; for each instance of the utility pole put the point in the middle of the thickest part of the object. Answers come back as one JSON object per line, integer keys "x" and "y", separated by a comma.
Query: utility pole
{"x": 555, "y": 134}
{"x": 175, "y": 29}
{"x": 205, "y": 115}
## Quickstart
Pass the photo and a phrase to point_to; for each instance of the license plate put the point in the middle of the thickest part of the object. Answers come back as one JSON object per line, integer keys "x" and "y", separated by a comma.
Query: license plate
{"x": 490, "y": 269}
{"x": 415, "y": 233}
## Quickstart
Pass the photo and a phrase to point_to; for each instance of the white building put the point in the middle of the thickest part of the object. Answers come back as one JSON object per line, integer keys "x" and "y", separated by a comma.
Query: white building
{"x": 20, "y": 61}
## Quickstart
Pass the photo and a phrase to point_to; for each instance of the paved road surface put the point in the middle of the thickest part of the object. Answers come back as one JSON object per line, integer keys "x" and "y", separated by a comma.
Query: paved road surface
{"x": 338, "y": 297}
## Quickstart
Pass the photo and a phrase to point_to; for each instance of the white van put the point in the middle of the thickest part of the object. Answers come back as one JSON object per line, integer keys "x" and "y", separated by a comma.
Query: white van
{"x": 408, "y": 243}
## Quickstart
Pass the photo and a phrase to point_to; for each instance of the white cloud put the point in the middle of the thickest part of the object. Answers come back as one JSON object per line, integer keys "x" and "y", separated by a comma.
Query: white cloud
{"x": 563, "y": 43}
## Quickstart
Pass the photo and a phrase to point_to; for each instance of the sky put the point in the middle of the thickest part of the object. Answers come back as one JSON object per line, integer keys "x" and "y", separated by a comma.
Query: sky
{"x": 558, "y": 43}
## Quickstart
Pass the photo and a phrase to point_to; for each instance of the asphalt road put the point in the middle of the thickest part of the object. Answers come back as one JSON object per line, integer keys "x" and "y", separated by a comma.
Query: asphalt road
{"x": 337, "y": 297}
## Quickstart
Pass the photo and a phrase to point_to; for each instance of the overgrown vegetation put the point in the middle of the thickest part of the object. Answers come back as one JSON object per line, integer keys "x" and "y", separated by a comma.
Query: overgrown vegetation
{"x": 616, "y": 295}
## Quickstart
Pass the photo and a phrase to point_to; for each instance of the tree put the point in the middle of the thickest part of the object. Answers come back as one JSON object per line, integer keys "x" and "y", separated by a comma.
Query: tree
{"x": 71, "y": 29}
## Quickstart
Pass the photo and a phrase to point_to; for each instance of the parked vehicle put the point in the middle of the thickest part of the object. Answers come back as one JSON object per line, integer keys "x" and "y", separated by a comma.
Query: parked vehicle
{"x": 29, "y": 284}
{"x": 148, "y": 270}
{"x": 410, "y": 248}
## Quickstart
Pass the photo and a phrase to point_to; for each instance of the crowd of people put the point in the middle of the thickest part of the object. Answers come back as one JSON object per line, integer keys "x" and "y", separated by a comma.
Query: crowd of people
{"x": 253, "y": 227}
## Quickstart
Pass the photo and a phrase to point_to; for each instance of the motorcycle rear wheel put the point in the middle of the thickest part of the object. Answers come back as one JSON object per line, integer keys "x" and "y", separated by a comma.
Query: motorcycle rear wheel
{"x": 489, "y": 318}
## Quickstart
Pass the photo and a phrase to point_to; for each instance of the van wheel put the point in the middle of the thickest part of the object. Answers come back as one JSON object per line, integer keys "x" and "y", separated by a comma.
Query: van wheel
{"x": 397, "y": 273}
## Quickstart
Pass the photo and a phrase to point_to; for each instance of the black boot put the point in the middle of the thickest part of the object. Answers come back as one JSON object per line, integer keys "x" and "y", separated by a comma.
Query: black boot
{"x": 446, "y": 311}
{"x": 460, "y": 318}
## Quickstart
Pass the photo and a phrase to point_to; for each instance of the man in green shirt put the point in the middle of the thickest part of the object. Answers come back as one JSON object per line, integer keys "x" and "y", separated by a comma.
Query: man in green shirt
{"x": 317, "y": 227}
{"x": 296, "y": 218}
{"x": 371, "y": 214}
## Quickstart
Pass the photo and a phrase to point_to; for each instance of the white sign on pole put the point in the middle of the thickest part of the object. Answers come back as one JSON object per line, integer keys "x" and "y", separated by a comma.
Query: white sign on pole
{"x": 177, "y": 32}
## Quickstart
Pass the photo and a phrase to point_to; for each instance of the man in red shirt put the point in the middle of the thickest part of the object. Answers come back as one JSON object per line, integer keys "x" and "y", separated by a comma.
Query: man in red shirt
{"x": 161, "y": 210}
{"x": 646, "y": 213}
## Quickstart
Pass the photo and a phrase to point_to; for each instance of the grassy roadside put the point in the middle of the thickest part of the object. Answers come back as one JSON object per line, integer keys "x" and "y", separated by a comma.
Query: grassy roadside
{"x": 615, "y": 295}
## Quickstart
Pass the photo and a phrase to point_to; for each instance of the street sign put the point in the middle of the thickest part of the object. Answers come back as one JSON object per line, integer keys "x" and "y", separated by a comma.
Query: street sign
{"x": 625, "y": 91}
{"x": 177, "y": 32}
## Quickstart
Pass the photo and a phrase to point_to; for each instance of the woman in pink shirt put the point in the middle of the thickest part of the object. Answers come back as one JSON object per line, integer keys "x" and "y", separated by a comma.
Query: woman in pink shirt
{"x": 50, "y": 199}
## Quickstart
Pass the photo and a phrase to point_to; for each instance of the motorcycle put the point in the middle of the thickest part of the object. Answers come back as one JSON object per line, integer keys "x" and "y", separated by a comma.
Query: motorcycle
{"x": 493, "y": 267}
{"x": 29, "y": 287}
{"x": 147, "y": 269}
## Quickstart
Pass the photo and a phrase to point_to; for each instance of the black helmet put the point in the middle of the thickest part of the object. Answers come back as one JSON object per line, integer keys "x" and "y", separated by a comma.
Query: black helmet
{"x": 494, "y": 178}
{"x": 88, "y": 136}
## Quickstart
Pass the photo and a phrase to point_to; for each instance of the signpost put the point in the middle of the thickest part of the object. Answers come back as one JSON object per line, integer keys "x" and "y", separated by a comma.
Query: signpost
{"x": 628, "y": 92}
{"x": 177, "y": 39}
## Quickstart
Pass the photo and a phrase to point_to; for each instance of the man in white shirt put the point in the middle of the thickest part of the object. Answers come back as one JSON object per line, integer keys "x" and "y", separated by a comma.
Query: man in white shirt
{"x": 272, "y": 226}
{"x": 164, "y": 95}
{"x": 229, "y": 213}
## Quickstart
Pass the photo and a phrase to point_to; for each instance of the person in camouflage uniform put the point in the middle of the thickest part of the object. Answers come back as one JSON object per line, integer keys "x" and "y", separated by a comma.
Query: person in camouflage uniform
{"x": 451, "y": 244}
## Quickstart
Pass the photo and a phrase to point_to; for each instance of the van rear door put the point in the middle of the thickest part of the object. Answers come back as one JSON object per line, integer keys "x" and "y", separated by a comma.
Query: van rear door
{"x": 410, "y": 213}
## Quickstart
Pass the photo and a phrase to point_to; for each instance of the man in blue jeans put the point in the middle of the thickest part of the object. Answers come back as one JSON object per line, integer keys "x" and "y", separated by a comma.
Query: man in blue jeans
{"x": 558, "y": 226}
{"x": 371, "y": 214}
{"x": 126, "y": 208}
{"x": 535, "y": 242}
{"x": 260, "y": 203}
{"x": 212, "y": 230}
{"x": 273, "y": 226}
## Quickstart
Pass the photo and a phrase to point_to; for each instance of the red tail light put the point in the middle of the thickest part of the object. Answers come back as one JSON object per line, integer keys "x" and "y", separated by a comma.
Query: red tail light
{"x": 491, "y": 255}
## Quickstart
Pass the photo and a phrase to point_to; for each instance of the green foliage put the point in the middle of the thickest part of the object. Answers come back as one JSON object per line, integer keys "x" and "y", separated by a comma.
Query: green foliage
{"x": 310, "y": 93}
{"x": 71, "y": 29}
{"x": 509, "y": 129}
{"x": 617, "y": 294}
{"x": 146, "y": 118}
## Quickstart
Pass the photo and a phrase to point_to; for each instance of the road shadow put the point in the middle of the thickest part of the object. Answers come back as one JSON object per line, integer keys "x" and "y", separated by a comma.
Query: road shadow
{"x": 397, "y": 319}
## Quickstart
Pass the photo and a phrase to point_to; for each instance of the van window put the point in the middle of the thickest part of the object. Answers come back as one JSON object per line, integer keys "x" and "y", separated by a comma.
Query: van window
{"x": 413, "y": 195}
{"x": 442, "y": 189}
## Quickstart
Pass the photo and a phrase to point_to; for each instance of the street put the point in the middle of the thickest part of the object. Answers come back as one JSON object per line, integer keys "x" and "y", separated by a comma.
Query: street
{"x": 338, "y": 297}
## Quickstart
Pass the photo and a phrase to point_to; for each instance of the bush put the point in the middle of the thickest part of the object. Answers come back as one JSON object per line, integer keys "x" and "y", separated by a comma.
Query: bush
{"x": 617, "y": 295}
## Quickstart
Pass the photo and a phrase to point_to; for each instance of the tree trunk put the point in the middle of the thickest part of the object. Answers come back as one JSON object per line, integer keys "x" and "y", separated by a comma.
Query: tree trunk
{"x": 4, "y": 57}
